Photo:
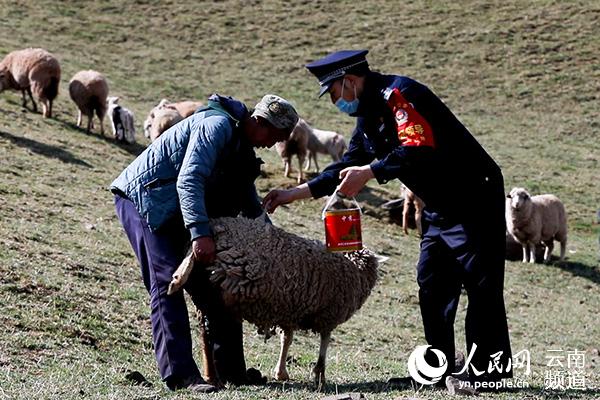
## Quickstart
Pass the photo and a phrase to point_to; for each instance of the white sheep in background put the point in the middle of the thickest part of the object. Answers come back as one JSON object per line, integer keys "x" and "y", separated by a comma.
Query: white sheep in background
{"x": 89, "y": 90}
{"x": 183, "y": 108}
{"x": 324, "y": 142}
{"x": 297, "y": 145}
{"x": 32, "y": 70}
{"x": 121, "y": 121}
{"x": 412, "y": 199}
{"x": 536, "y": 219}
{"x": 273, "y": 278}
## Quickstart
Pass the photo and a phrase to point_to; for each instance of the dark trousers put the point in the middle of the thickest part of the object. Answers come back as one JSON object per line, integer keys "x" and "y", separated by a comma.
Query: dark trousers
{"x": 470, "y": 256}
{"x": 159, "y": 254}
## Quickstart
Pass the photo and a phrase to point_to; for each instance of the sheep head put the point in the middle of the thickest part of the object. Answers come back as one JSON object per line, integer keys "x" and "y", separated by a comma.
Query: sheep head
{"x": 519, "y": 198}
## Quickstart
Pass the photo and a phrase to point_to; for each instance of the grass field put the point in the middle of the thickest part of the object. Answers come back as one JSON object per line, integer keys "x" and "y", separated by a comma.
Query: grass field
{"x": 524, "y": 76}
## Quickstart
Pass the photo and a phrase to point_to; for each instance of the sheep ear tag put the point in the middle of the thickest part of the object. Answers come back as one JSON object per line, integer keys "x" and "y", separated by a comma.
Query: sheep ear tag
{"x": 342, "y": 224}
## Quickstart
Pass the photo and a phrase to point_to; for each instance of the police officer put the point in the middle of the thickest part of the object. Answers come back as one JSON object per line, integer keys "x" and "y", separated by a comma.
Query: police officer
{"x": 203, "y": 167}
{"x": 405, "y": 131}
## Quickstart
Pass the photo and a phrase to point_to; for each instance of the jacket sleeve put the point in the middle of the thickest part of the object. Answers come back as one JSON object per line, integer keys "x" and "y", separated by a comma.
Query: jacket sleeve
{"x": 207, "y": 141}
{"x": 326, "y": 182}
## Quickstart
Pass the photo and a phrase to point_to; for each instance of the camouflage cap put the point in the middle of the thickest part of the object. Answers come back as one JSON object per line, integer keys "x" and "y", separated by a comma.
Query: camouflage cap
{"x": 278, "y": 111}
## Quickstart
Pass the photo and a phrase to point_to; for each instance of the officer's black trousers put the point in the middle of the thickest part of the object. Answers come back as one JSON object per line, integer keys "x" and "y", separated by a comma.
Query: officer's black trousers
{"x": 470, "y": 256}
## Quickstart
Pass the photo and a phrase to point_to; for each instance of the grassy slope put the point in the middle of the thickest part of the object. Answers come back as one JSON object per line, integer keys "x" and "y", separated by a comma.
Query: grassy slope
{"x": 523, "y": 76}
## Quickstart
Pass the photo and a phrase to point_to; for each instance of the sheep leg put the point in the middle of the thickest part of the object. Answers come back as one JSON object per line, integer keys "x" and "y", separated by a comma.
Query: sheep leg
{"x": 418, "y": 215}
{"x": 548, "y": 251}
{"x": 300, "y": 171}
{"x": 280, "y": 371}
{"x": 319, "y": 369}
{"x": 181, "y": 274}
{"x": 525, "y": 253}
{"x": 79, "y": 118}
{"x": 405, "y": 209}
{"x": 287, "y": 168}
{"x": 34, "y": 106}
{"x": 531, "y": 252}
{"x": 45, "y": 112}
{"x": 316, "y": 163}
{"x": 563, "y": 249}
{"x": 209, "y": 370}
{"x": 100, "y": 115}
{"x": 90, "y": 124}
{"x": 308, "y": 164}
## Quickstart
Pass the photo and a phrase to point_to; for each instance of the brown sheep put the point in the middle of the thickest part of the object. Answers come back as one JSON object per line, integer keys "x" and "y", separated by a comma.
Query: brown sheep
{"x": 183, "y": 108}
{"x": 32, "y": 71}
{"x": 412, "y": 199}
{"x": 297, "y": 144}
{"x": 163, "y": 119}
{"x": 89, "y": 91}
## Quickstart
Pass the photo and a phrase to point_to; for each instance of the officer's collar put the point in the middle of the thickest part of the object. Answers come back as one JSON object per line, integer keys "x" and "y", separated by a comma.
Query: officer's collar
{"x": 370, "y": 99}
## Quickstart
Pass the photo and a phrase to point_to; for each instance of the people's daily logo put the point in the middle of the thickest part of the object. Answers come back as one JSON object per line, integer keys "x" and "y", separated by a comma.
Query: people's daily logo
{"x": 421, "y": 371}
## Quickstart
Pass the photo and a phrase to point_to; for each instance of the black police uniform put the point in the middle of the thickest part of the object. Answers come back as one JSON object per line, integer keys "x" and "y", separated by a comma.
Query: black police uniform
{"x": 417, "y": 139}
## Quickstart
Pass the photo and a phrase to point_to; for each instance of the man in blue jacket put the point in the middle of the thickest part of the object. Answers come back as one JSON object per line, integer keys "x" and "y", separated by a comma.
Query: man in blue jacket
{"x": 405, "y": 131}
{"x": 203, "y": 167}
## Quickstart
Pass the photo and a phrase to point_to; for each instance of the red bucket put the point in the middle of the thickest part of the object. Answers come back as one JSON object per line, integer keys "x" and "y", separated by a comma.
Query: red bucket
{"x": 342, "y": 227}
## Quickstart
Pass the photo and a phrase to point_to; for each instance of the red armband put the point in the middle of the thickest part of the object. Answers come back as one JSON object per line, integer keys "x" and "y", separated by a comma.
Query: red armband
{"x": 413, "y": 129}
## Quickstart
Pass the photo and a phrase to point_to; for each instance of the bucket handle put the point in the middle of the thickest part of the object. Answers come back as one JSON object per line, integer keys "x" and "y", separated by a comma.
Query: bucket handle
{"x": 330, "y": 202}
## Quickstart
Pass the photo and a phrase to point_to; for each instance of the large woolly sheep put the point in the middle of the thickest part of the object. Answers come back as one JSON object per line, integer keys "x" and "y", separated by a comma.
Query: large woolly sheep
{"x": 32, "y": 71}
{"x": 324, "y": 142}
{"x": 536, "y": 219}
{"x": 89, "y": 90}
{"x": 121, "y": 121}
{"x": 297, "y": 145}
{"x": 273, "y": 278}
{"x": 183, "y": 108}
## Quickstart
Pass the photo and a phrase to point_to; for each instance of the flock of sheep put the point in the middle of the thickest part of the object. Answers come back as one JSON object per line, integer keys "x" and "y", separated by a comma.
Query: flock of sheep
{"x": 266, "y": 275}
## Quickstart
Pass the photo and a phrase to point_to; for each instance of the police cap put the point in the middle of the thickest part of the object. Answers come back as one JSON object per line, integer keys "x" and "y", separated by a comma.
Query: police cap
{"x": 335, "y": 65}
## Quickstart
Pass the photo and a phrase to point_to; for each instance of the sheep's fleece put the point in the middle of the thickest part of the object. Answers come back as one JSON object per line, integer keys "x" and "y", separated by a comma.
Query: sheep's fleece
{"x": 271, "y": 277}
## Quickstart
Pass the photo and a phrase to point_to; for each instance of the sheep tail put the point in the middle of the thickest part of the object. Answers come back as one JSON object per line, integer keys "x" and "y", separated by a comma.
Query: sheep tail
{"x": 51, "y": 91}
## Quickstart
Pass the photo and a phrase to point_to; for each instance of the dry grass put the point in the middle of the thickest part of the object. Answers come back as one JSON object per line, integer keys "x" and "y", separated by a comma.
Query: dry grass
{"x": 523, "y": 76}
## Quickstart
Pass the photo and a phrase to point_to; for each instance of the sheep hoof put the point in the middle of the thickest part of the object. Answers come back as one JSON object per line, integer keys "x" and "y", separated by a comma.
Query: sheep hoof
{"x": 176, "y": 284}
{"x": 281, "y": 375}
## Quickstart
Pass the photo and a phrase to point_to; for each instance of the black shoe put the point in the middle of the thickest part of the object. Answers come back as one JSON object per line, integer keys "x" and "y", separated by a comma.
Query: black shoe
{"x": 193, "y": 383}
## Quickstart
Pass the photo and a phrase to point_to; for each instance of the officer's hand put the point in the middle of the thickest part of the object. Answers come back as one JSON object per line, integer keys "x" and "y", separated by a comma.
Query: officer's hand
{"x": 204, "y": 249}
{"x": 275, "y": 198}
{"x": 354, "y": 179}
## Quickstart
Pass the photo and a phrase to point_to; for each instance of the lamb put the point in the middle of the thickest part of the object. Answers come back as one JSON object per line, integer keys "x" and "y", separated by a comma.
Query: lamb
{"x": 534, "y": 219}
{"x": 183, "y": 108}
{"x": 121, "y": 121}
{"x": 89, "y": 90}
{"x": 412, "y": 199}
{"x": 297, "y": 144}
{"x": 273, "y": 278}
{"x": 163, "y": 119}
{"x": 324, "y": 142}
{"x": 32, "y": 71}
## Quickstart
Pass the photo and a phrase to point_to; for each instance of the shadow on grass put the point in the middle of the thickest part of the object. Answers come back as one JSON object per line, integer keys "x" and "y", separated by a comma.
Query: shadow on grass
{"x": 590, "y": 273}
{"x": 379, "y": 386}
{"x": 553, "y": 394}
{"x": 134, "y": 149}
{"x": 44, "y": 149}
